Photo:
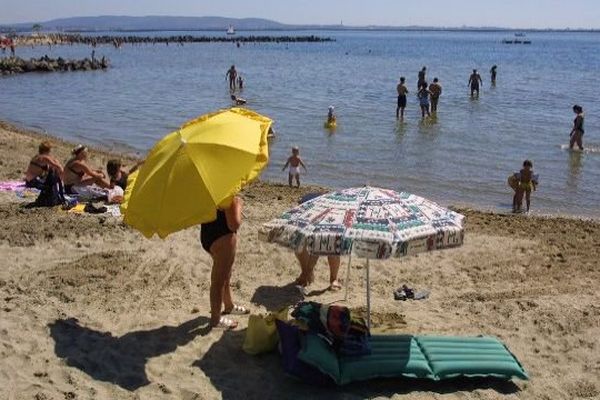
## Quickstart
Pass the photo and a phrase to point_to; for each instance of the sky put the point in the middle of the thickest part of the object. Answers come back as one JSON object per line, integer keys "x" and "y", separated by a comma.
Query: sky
{"x": 440, "y": 13}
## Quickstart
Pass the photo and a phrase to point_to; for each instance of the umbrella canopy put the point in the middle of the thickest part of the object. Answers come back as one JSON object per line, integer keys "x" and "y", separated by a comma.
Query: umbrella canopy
{"x": 196, "y": 169}
{"x": 368, "y": 222}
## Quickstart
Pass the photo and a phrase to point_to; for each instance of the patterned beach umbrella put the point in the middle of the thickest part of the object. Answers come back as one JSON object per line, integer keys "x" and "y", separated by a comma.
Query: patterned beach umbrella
{"x": 367, "y": 222}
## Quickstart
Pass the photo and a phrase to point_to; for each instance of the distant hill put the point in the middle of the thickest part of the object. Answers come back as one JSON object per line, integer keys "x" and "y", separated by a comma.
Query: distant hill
{"x": 159, "y": 23}
{"x": 167, "y": 23}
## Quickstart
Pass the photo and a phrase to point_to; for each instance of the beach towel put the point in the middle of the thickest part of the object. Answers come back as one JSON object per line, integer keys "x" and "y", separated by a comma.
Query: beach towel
{"x": 12, "y": 186}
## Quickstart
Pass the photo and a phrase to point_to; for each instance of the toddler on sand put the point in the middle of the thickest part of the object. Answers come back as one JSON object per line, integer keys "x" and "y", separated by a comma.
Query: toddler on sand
{"x": 294, "y": 161}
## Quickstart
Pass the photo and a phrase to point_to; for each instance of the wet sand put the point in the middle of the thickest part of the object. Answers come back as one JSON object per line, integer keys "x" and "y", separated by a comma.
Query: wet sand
{"x": 92, "y": 310}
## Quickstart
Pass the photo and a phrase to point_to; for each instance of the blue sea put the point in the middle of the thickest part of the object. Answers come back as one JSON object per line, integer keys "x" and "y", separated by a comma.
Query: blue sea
{"x": 463, "y": 156}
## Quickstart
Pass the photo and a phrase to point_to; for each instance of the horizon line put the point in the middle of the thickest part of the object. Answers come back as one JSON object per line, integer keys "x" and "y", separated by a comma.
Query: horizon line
{"x": 328, "y": 26}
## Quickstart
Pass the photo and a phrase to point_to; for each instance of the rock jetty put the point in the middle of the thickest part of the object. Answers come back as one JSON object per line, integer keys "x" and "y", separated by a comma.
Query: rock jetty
{"x": 16, "y": 65}
{"x": 60, "y": 38}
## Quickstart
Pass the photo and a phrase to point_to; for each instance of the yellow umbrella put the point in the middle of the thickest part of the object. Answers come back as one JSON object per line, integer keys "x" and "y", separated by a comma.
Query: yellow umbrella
{"x": 194, "y": 170}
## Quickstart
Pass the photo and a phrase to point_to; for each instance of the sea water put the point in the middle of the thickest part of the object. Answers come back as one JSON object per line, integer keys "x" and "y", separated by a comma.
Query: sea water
{"x": 462, "y": 156}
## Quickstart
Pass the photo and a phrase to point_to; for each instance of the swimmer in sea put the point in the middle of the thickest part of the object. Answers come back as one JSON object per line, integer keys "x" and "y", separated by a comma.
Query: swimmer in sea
{"x": 232, "y": 75}
{"x": 402, "y": 92}
{"x": 294, "y": 161}
{"x": 331, "y": 119}
{"x": 474, "y": 82}
{"x": 422, "y": 73}
{"x": 577, "y": 131}
{"x": 436, "y": 91}
{"x": 423, "y": 96}
{"x": 493, "y": 75}
{"x": 238, "y": 100}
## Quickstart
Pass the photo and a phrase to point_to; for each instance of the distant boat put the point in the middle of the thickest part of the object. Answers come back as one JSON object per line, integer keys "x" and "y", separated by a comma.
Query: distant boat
{"x": 230, "y": 30}
{"x": 518, "y": 39}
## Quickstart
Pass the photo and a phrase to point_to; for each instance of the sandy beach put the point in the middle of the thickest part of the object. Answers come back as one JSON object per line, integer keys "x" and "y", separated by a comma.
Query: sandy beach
{"x": 90, "y": 309}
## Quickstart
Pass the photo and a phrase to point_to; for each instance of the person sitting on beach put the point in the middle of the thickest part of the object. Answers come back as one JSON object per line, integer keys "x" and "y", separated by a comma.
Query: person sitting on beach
{"x": 331, "y": 118}
{"x": 527, "y": 183}
{"x": 219, "y": 239}
{"x": 423, "y": 95}
{"x": 474, "y": 82}
{"x": 402, "y": 92}
{"x": 577, "y": 131}
{"x": 436, "y": 91}
{"x": 79, "y": 177}
{"x": 117, "y": 175}
{"x": 307, "y": 267}
{"x": 231, "y": 75}
{"x": 39, "y": 166}
{"x": 294, "y": 161}
{"x": 238, "y": 100}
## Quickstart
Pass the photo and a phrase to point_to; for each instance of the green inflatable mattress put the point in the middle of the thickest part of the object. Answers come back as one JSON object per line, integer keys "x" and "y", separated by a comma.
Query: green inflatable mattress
{"x": 431, "y": 357}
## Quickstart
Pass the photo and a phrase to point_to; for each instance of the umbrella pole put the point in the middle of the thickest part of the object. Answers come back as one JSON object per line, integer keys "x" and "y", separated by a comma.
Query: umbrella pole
{"x": 368, "y": 298}
{"x": 348, "y": 276}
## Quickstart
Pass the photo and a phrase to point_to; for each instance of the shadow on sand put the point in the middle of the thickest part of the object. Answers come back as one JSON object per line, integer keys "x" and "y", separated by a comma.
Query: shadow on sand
{"x": 119, "y": 360}
{"x": 236, "y": 375}
{"x": 276, "y": 297}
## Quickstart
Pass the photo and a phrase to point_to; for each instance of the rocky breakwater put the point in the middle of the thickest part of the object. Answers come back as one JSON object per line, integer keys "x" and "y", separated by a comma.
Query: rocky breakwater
{"x": 16, "y": 65}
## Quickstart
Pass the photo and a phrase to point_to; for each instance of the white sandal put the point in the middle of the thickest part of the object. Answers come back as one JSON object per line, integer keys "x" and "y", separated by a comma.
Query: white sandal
{"x": 226, "y": 324}
{"x": 237, "y": 310}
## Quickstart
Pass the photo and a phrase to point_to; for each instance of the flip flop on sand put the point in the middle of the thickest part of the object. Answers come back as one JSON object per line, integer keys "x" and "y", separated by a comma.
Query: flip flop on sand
{"x": 226, "y": 324}
{"x": 406, "y": 293}
{"x": 422, "y": 294}
{"x": 236, "y": 310}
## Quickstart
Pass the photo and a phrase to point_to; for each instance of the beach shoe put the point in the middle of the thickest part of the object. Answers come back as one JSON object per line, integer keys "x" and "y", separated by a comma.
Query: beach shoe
{"x": 422, "y": 294}
{"x": 226, "y": 324}
{"x": 399, "y": 295}
{"x": 236, "y": 310}
{"x": 94, "y": 208}
{"x": 410, "y": 293}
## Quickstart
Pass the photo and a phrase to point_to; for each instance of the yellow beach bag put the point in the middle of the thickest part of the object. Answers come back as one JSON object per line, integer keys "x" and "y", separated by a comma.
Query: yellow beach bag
{"x": 261, "y": 335}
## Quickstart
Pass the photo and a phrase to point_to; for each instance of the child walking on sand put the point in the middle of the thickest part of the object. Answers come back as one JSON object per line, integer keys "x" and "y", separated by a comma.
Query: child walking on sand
{"x": 294, "y": 162}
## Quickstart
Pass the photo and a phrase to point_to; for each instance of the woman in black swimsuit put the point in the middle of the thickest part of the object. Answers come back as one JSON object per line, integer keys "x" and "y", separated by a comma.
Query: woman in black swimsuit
{"x": 577, "y": 131}
{"x": 39, "y": 165}
{"x": 219, "y": 238}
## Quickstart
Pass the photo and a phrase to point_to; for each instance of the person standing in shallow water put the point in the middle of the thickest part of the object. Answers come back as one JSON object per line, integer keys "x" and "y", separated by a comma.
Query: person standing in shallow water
{"x": 577, "y": 131}
{"x": 474, "y": 82}
{"x": 493, "y": 74}
{"x": 402, "y": 92}
{"x": 422, "y": 73}
{"x": 436, "y": 91}
{"x": 232, "y": 76}
{"x": 423, "y": 96}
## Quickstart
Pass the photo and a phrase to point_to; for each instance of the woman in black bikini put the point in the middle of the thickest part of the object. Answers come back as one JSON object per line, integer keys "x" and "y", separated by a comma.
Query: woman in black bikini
{"x": 219, "y": 238}
{"x": 39, "y": 165}
{"x": 577, "y": 131}
{"x": 78, "y": 173}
